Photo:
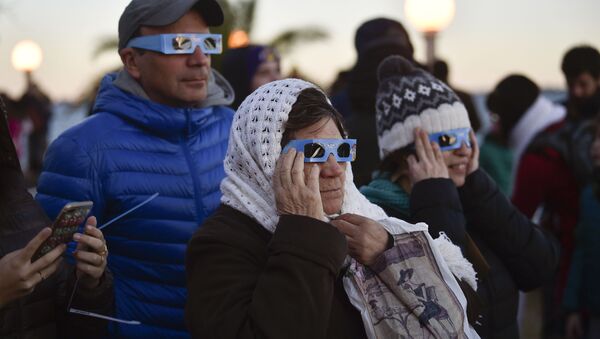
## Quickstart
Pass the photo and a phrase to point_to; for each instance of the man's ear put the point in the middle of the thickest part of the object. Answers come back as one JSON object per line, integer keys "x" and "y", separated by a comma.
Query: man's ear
{"x": 130, "y": 59}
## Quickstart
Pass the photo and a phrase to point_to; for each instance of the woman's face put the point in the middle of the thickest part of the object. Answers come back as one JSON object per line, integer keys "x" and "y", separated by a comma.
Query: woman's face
{"x": 595, "y": 149}
{"x": 332, "y": 174}
{"x": 457, "y": 161}
{"x": 267, "y": 71}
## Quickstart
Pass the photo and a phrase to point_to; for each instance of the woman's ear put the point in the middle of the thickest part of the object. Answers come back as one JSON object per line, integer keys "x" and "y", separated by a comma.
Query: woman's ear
{"x": 130, "y": 59}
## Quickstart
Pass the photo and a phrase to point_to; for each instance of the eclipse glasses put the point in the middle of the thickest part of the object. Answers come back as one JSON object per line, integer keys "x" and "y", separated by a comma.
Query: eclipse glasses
{"x": 180, "y": 43}
{"x": 452, "y": 139}
{"x": 318, "y": 150}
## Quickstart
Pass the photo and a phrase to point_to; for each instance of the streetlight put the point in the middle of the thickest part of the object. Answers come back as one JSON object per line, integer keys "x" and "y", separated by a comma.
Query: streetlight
{"x": 238, "y": 38}
{"x": 430, "y": 17}
{"x": 27, "y": 57}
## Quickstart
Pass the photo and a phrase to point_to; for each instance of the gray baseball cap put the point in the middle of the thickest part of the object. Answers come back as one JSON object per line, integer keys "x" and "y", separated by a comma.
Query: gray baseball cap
{"x": 164, "y": 12}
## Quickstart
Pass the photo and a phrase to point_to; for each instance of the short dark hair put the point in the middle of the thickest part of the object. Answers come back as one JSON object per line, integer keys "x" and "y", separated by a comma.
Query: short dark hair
{"x": 310, "y": 107}
{"x": 579, "y": 60}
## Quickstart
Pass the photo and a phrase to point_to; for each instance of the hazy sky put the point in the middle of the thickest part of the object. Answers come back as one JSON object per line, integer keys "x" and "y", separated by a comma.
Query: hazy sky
{"x": 487, "y": 39}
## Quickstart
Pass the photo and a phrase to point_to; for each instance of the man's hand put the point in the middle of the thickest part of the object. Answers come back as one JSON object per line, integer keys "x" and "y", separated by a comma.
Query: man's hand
{"x": 366, "y": 238}
{"x": 296, "y": 193}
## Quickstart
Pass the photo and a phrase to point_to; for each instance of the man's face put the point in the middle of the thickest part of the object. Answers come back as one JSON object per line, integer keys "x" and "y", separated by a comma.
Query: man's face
{"x": 172, "y": 80}
{"x": 582, "y": 86}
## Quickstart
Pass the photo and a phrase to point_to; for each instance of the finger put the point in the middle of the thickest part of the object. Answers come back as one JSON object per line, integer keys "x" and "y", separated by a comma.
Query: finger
{"x": 419, "y": 148}
{"x": 474, "y": 144}
{"x": 345, "y": 227}
{"x": 47, "y": 259}
{"x": 285, "y": 170}
{"x": 312, "y": 181}
{"x": 29, "y": 250}
{"x": 437, "y": 152}
{"x": 354, "y": 219}
{"x": 92, "y": 231}
{"x": 91, "y": 258}
{"x": 298, "y": 170}
{"x": 91, "y": 221}
{"x": 427, "y": 145}
{"x": 94, "y": 243}
{"x": 91, "y": 270}
{"x": 48, "y": 271}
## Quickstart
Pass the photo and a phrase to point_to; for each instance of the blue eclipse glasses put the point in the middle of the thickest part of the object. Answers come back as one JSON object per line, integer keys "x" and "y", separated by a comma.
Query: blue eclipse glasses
{"x": 452, "y": 139}
{"x": 180, "y": 43}
{"x": 318, "y": 150}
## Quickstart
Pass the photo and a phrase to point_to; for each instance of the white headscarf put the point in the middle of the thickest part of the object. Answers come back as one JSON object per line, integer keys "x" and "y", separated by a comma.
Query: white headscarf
{"x": 255, "y": 147}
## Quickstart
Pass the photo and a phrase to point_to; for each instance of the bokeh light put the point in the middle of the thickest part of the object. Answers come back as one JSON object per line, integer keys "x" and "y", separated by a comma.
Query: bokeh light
{"x": 26, "y": 56}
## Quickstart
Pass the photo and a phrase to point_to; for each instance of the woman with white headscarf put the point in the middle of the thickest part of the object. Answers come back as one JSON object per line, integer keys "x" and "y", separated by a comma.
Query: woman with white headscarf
{"x": 295, "y": 251}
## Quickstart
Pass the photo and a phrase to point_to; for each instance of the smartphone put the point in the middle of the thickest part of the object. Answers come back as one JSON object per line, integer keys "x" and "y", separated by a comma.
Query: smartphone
{"x": 66, "y": 224}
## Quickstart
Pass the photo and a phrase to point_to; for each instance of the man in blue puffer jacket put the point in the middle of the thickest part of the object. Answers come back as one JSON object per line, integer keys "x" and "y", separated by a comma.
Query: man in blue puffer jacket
{"x": 159, "y": 125}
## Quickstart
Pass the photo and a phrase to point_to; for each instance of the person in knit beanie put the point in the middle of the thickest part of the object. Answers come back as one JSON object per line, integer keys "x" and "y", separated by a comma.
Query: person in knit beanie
{"x": 519, "y": 112}
{"x": 247, "y": 68}
{"x": 430, "y": 173}
{"x": 295, "y": 250}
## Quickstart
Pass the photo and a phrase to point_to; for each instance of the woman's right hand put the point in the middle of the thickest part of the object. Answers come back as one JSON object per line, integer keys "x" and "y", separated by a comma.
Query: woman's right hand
{"x": 296, "y": 192}
{"x": 19, "y": 276}
{"x": 430, "y": 163}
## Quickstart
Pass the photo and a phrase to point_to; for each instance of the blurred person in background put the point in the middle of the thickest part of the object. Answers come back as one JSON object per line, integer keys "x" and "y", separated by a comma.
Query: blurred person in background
{"x": 375, "y": 40}
{"x": 160, "y": 125}
{"x": 582, "y": 297}
{"x": 519, "y": 112}
{"x": 36, "y": 105}
{"x": 556, "y": 165}
{"x": 441, "y": 71}
{"x": 247, "y": 68}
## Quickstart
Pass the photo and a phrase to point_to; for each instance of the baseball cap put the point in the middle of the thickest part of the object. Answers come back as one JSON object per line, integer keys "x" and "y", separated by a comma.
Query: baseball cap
{"x": 164, "y": 12}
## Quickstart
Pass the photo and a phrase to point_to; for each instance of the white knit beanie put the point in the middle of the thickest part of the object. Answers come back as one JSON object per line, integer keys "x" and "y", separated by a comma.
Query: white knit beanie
{"x": 409, "y": 97}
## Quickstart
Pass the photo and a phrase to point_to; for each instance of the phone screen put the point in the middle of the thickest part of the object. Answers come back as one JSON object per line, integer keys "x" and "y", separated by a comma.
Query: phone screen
{"x": 65, "y": 225}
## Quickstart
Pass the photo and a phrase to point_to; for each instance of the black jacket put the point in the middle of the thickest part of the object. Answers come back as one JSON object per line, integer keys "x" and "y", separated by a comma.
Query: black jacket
{"x": 520, "y": 255}
{"x": 43, "y": 313}
{"x": 244, "y": 282}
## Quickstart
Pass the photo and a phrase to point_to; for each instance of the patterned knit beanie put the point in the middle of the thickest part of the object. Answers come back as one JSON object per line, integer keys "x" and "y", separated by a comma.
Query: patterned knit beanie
{"x": 409, "y": 97}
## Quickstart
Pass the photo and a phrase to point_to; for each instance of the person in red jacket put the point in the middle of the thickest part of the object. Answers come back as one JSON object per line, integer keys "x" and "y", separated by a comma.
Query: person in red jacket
{"x": 556, "y": 165}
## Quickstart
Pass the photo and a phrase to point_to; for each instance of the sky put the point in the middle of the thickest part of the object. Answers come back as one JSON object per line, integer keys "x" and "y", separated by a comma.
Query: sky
{"x": 487, "y": 40}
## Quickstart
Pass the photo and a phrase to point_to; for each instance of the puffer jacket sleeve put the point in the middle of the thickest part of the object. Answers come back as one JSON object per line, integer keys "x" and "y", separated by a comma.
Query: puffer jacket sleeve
{"x": 69, "y": 174}
{"x": 234, "y": 293}
{"x": 530, "y": 253}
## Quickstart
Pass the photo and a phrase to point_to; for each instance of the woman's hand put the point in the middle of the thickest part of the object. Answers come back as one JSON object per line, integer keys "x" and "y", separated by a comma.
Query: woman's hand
{"x": 366, "y": 238}
{"x": 473, "y": 164}
{"x": 90, "y": 254}
{"x": 430, "y": 163}
{"x": 295, "y": 192}
{"x": 19, "y": 276}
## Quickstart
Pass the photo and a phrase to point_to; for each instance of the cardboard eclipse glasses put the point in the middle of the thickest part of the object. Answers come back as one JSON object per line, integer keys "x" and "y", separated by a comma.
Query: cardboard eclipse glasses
{"x": 180, "y": 43}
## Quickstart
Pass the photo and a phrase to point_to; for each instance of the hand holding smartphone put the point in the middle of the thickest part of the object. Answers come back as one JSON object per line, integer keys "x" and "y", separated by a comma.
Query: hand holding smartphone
{"x": 66, "y": 224}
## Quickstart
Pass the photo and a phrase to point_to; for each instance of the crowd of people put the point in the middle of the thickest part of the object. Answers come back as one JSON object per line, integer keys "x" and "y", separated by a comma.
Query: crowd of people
{"x": 242, "y": 204}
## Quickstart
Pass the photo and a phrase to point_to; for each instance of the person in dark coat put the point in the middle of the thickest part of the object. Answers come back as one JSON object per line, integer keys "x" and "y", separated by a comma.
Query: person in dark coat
{"x": 375, "y": 40}
{"x": 34, "y": 296}
{"x": 430, "y": 173}
{"x": 295, "y": 251}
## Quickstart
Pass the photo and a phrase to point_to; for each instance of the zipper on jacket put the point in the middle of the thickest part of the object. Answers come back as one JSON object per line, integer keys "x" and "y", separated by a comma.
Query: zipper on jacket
{"x": 191, "y": 165}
